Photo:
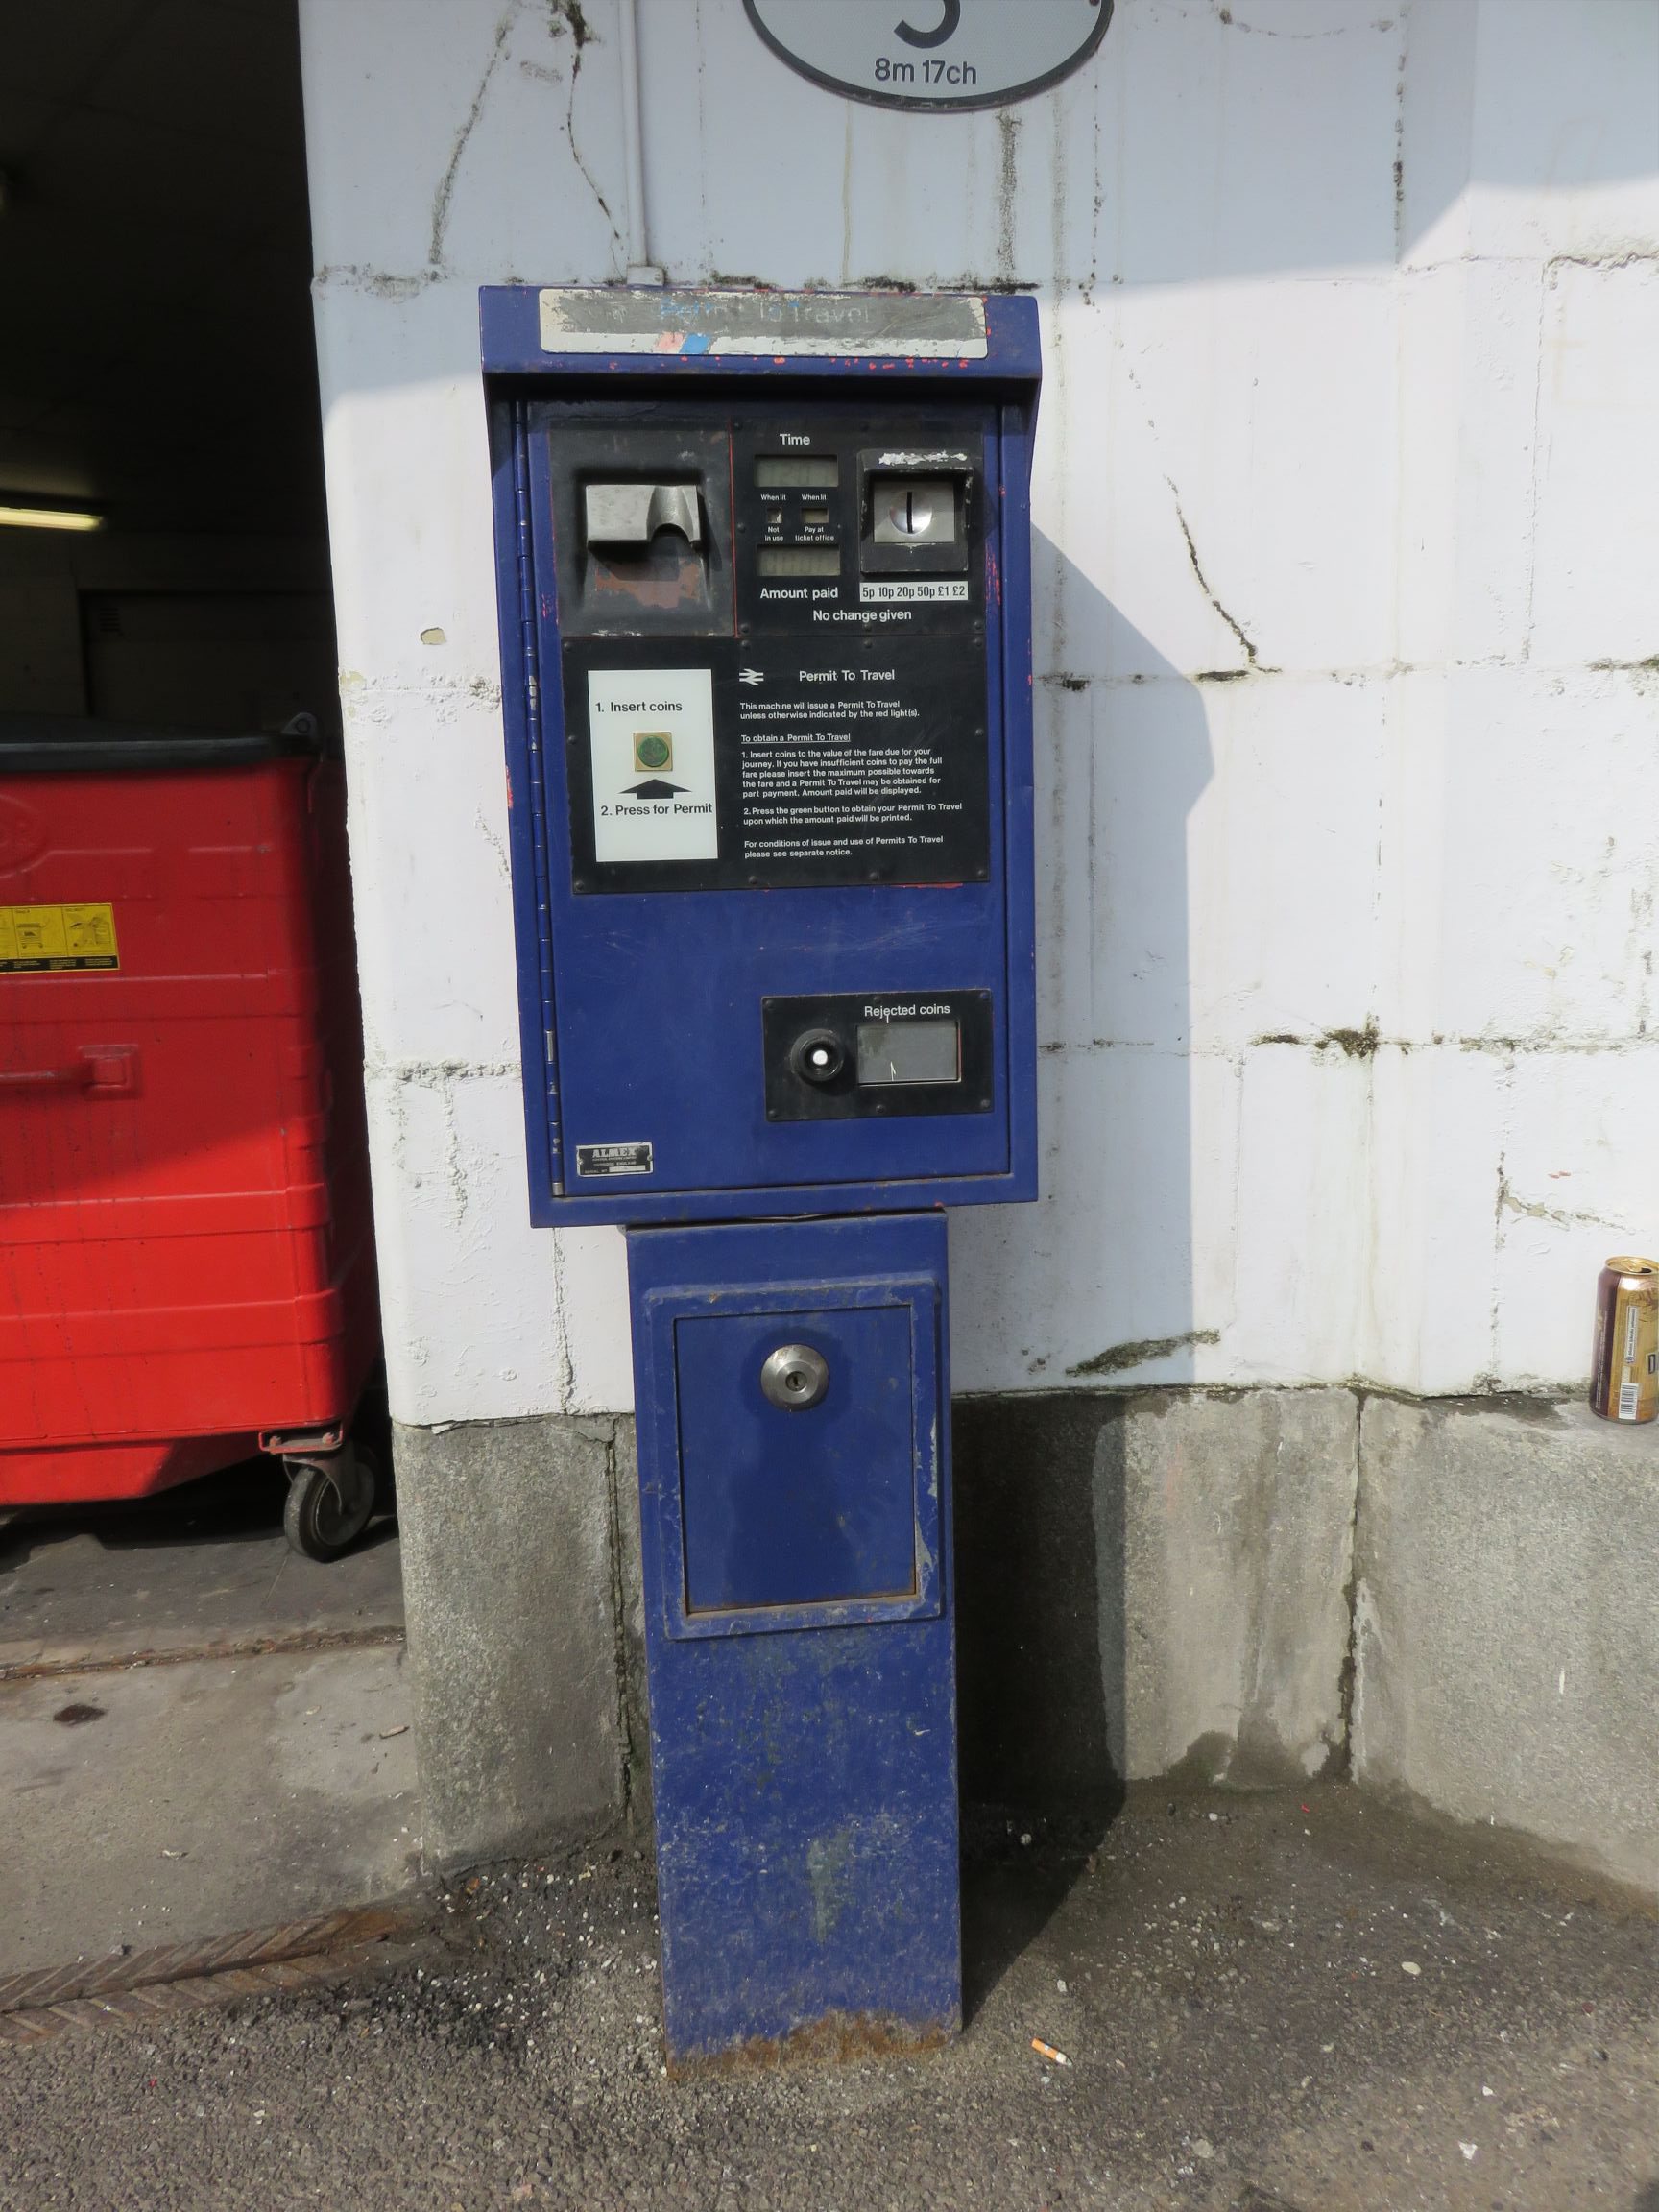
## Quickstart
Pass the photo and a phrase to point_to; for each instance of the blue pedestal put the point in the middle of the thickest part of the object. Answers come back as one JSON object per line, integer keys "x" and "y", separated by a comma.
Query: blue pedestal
{"x": 799, "y": 1632}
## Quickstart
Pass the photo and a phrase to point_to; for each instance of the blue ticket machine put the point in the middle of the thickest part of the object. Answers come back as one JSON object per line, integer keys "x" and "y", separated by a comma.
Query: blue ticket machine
{"x": 764, "y": 569}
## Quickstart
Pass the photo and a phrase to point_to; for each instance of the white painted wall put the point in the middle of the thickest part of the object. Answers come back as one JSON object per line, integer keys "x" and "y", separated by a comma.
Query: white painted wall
{"x": 1348, "y": 636}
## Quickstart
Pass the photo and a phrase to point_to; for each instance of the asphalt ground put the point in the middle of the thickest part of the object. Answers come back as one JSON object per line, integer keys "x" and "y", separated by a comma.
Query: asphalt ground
{"x": 1300, "y": 2000}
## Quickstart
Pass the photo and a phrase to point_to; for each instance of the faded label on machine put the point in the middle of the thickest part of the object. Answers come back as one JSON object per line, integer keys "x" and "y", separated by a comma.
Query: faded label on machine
{"x": 599, "y": 1160}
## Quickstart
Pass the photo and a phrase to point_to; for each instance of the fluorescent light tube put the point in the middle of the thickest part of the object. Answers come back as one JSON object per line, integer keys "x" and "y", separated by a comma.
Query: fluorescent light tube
{"x": 48, "y": 518}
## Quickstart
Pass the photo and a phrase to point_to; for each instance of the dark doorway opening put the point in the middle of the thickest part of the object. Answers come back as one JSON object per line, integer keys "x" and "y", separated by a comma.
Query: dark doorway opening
{"x": 161, "y": 372}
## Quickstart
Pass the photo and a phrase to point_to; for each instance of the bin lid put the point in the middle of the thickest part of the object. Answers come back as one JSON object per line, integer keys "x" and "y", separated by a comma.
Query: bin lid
{"x": 60, "y": 744}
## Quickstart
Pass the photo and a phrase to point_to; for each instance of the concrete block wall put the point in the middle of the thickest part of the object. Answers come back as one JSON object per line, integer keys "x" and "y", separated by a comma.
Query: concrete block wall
{"x": 1506, "y": 1626}
{"x": 1347, "y": 496}
{"x": 1153, "y": 1584}
{"x": 1450, "y": 1602}
{"x": 510, "y": 1555}
{"x": 1347, "y": 508}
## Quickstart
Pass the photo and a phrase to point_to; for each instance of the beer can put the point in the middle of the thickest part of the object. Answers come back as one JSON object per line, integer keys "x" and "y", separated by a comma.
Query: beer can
{"x": 1625, "y": 1376}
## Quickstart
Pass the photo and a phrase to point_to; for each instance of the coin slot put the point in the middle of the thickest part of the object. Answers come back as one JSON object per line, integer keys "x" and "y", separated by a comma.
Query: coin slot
{"x": 913, "y": 510}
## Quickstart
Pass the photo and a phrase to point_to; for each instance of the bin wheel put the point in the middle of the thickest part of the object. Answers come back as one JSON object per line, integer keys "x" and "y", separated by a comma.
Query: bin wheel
{"x": 329, "y": 1502}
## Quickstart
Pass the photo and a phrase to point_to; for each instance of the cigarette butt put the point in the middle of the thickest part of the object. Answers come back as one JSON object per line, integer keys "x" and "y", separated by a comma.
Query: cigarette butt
{"x": 1048, "y": 2051}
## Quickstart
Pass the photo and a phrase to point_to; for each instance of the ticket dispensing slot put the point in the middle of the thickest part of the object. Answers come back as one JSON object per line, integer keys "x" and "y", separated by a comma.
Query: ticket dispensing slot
{"x": 629, "y": 515}
{"x": 643, "y": 530}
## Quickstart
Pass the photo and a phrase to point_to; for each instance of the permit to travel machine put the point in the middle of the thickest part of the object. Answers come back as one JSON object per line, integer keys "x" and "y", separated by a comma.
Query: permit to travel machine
{"x": 763, "y": 570}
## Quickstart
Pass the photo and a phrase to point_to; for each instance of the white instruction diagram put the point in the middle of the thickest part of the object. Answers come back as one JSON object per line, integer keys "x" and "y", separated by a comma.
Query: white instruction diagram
{"x": 652, "y": 735}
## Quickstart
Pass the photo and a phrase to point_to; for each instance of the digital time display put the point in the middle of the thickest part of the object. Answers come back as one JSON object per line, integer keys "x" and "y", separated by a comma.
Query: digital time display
{"x": 797, "y": 472}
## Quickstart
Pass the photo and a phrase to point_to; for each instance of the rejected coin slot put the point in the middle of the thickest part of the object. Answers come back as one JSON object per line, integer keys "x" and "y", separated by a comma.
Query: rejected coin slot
{"x": 818, "y": 1057}
{"x": 919, "y": 1051}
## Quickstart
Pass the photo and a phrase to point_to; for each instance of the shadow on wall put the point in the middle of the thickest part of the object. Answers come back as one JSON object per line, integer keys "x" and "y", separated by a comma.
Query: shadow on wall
{"x": 1040, "y": 1479}
{"x": 1040, "y": 1680}
{"x": 1046, "y": 1297}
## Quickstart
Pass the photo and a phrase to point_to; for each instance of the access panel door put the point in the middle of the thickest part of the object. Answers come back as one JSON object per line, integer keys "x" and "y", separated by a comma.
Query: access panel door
{"x": 790, "y": 1423}
{"x": 798, "y": 1450}
{"x": 797, "y": 1628}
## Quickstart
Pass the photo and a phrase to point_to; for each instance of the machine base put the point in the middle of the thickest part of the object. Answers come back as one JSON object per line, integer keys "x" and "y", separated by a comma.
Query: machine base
{"x": 800, "y": 1636}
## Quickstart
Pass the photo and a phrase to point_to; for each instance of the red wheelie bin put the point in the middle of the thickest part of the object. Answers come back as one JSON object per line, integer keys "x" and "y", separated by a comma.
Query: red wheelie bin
{"x": 186, "y": 1252}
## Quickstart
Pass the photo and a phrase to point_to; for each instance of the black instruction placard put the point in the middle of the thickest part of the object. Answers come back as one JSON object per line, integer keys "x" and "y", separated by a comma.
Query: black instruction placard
{"x": 859, "y": 767}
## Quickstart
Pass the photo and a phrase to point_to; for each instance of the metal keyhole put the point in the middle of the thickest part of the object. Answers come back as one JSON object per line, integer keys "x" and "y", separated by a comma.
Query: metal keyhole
{"x": 794, "y": 1377}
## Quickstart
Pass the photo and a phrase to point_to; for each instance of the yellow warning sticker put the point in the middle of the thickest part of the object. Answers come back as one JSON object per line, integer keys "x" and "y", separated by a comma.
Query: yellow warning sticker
{"x": 50, "y": 940}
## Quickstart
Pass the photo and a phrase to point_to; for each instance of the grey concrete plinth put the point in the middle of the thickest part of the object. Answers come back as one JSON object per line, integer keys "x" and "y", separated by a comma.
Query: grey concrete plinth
{"x": 1151, "y": 1584}
{"x": 1508, "y": 1622}
{"x": 511, "y": 1603}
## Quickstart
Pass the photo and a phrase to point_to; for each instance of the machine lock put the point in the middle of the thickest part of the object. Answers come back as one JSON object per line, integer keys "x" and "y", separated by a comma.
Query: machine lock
{"x": 794, "y": 1377}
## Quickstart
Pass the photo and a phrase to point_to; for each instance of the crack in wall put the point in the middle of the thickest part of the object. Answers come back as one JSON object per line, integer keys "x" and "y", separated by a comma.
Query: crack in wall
{"x": 358, "y": 276}
{"x": 561, "y": 1329}
{"x": 1007, "y": 188}
{"x": 629, "y": 1750}
{"x": 567, "y": 15}
{"x": 566, "y": 18}
{"x": 1534, "y": 1210}
{"x": 1119, "y": 1359}
{"x": 446, "y": 182}
{"x": 1341, "y": 1765}
{"x": 1365, "y": 1043}
{"x": 1232, "y": 620}
{"x": 488, "y": 834}
{"x": 1642, "y": 673}
{"x": 1357, "y": 1043}
{"x": 1400, "y": 137}
{"x": 1225, "y": 15}
{"x": 433, "y": 1074}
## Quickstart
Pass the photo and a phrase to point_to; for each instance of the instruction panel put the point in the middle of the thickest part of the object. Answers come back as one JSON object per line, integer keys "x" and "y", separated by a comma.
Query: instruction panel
{"x": 861, "y": 770}
{"x": 773, "y": 763}
{"x": 651, "y": 733}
